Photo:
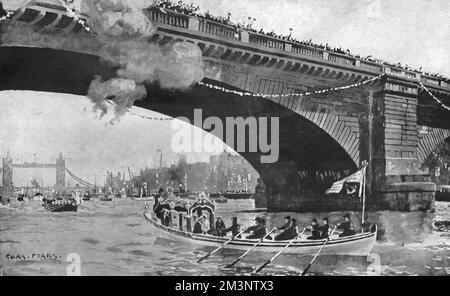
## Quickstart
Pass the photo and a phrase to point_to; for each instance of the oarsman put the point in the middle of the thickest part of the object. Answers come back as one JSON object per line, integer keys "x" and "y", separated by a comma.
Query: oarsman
{"x": 289, "y": 233}
{"x": 324, "y": 229}
{"x": 258, "y": 230}
{"x": 287, "y": 223}
{"x": 235, "y": 228}
{"x": 314, "y": 228}
{"x": 346, "y": 227}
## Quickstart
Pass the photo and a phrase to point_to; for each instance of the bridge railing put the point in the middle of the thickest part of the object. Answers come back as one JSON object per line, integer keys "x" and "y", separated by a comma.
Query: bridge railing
{"x": 266, "y": 41}
{"x": 339, "y": 59}
{"x": 307, "y": 51}
{"x": 167, "y": 17}
{"x": 218, "y": 29}
{"x": 209, "y": 27}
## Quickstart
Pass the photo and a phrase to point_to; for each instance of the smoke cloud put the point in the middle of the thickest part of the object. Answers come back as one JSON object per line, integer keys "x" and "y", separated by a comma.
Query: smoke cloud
{"x": 119, "y": 35}
{"x": 14, "y": 4}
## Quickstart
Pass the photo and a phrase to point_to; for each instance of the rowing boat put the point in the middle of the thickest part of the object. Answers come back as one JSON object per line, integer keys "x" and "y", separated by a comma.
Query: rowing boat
{"x": 59, "y": 205}
{"x": 360, "y": 244}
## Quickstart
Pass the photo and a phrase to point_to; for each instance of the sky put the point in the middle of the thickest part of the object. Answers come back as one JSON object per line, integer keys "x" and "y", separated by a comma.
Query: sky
{"x": 38, "y": 126}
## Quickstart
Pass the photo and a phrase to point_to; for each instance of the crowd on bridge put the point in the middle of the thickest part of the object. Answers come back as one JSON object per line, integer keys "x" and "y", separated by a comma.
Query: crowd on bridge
{"x": 194, "y": 10}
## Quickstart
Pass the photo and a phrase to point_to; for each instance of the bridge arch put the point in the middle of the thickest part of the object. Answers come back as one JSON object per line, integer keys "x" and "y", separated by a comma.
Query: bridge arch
{"x": 311, "y": 155}
{"x": 430, "y": 139}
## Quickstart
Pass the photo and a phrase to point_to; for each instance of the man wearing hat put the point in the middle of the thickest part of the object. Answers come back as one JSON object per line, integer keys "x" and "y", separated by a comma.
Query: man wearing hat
{"x": 346, "y": 226}
{"x": 289, "y": 233}
{"x": 219, "y": 229}
{"x": 314, "y": 228}
{"x": 324, "y": 229}
{"x": 258, "y": 230}
{"x": 287, "y": 223}
{"x": 157, "y": 198}
{"x": 234, "y": 228}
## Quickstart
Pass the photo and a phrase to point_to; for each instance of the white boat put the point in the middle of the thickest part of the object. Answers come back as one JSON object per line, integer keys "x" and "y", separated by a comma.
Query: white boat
{"x": 360, "y": 244}
{"x": 143, "y": 198}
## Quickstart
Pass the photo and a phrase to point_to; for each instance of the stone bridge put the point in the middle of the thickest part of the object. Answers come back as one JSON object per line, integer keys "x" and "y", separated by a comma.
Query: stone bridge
{"x": 391, "y": 122}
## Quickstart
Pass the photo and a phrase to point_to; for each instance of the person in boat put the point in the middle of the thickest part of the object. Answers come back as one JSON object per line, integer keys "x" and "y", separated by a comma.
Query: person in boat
{"x": 258, "y": 230}
{"x": 324, "y": 229}
{"x": 198, "y": 226}
{"x": 346, "y": 227}
{"x": 287, "y": 223}
{"x": 165, "y": 220}
{"x": 314, "y": 228}
{"x": 235, "y": 228}
{"x": 219, "y": 227}
{"x": 157, "y": 198}
{"x": 289, "y": 233}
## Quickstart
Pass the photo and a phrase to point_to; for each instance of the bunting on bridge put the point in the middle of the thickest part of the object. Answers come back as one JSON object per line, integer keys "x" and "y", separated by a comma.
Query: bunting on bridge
{"x": 322, "y": 91}
{"x": 434, "y": 97}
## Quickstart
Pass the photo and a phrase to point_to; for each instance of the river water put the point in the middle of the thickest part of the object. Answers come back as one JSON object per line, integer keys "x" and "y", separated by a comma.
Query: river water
{"x": 112, "y": 238}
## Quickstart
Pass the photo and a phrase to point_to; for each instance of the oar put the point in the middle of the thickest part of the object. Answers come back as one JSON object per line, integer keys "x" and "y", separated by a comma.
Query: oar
{"x": 248, "y": 251}
{"x": 278, "y": 254}
{"x": 320, "y": 250}
{"x": 223, "y": 245}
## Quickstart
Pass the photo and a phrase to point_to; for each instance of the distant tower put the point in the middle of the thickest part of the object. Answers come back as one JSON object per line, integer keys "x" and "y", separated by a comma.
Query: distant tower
{"x": 60, "y": 171}
{"x": 7, "y": 176}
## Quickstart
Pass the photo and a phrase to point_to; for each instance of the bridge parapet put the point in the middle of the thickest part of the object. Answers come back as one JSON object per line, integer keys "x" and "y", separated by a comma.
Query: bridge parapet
{"x": 54, "y": 16}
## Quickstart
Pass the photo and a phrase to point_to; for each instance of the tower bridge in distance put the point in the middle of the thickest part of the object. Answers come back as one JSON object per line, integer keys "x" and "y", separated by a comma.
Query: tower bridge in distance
{"x": 8, "y": 167}
{"x": 392, "y": 122}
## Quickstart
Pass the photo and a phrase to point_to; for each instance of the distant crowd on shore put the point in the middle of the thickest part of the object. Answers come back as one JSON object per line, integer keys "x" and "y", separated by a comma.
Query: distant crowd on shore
{"x": 193, "y": 10}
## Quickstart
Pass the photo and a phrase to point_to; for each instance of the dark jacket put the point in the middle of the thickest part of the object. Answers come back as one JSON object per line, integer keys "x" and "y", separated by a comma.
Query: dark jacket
{"x": 220, "y": 228}
{"x": 258, "y": 231}
{"x": 156, "y": 198}
{"x": 288, "y": 234}
{"x": 324, "y": 231}
{"x": 347, "y": 228}
{"x": 198, "y": 227}
{"x": 285, "y": 226}
{"x": 166, "y": 220}
{"x": 315, "y": 232}
{"x": 233, "y": 228}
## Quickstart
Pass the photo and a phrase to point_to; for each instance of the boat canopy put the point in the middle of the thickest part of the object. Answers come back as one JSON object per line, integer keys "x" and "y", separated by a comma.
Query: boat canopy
{"x": 200, "y": 205}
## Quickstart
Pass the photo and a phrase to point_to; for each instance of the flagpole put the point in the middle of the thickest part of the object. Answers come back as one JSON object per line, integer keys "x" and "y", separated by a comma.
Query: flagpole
{"x": 363, "y": 194}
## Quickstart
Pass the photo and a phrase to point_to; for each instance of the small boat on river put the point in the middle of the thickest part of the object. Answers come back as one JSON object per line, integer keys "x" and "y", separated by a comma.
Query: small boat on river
{"x": 60, "y": 205}
{"x": 360, "y": 244}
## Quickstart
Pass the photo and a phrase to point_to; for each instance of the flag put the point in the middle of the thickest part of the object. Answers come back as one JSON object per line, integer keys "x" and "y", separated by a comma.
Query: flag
{"x": 349, "y": 183}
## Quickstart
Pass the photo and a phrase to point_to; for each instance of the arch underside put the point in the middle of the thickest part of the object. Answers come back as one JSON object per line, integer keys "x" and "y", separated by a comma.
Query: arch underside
{"x": 307, "y": 152}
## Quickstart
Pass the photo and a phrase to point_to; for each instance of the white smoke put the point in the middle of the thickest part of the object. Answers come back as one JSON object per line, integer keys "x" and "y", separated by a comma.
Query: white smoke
{"x": 14, "y": 4}
{"x": 120, "y": 31}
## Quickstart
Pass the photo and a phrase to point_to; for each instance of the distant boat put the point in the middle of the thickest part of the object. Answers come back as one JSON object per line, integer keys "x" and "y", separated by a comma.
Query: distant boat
{"x": 220, "y": 199}
{"x": 233, "y": 195}
{"x": 86, "y": 196}
{"x": 142, "y": 198}
{"x": 5, "y": 206}
{"x": 59, "y": 205}
{"x": 443, "y": 193}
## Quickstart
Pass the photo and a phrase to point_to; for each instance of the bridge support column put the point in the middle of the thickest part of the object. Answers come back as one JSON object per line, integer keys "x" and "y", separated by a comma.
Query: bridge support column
{"x": 397, "y": 181}
{"x": 290, "y": 189}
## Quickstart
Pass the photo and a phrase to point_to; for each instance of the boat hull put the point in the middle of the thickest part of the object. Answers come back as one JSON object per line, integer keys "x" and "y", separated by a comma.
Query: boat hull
{"x": 356, "y": 245}
{"x": 60, "y": 208}
{"x": 142, "y": 198}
